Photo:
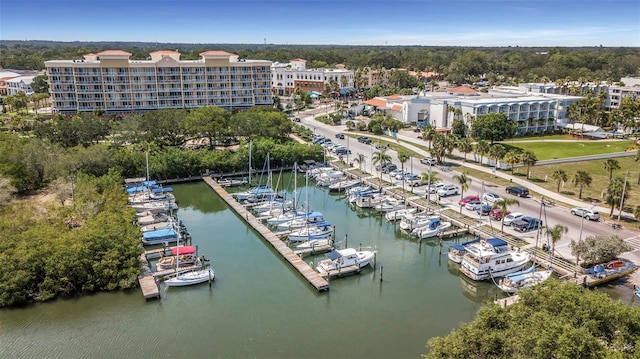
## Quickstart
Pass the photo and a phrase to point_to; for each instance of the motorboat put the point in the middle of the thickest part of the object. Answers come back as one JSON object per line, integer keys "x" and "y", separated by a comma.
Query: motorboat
{"x": 434, "y": 228}
{"x": 326, "y": 181}
{"x": 181, "y": 256}
{"x": 527, "y": 278}
{"x": 315, "y": 243}
{"x": 160, "y": 236}
{"x": 457, "y": 251}
{"x": 390, "y": 204}
{"x": 606, "y": 272}
{"x": 412, "y": 221}
{"x": 156, "y": 226}
{"x": 284, "y": 217}
{"x": 398, "y": 214}
{"x": 321, "y": 230}
{"x": 344, "y": 185}
{"x": 370, "y": 200}
{"x": 491, "y": 258}
{"x": 147, "y": 218}
{"x": 233, "y": 182}
{"x": 268, "y": 206}
{"x": 198, "y": 276}
{"x": 358, "y": 192}
{"x": 149, "y": 196}
{"x": 342, "y": 259}
{"x": 299, "y": 222}
{"x": 154, "y": 206}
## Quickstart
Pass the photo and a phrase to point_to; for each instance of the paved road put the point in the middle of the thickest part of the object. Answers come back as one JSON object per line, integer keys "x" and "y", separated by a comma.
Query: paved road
{"x": 551, "y": 215}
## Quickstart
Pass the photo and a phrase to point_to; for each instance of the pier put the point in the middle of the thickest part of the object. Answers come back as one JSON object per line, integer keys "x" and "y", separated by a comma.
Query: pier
{"x": 146, "y": 280}
{"x": 287, "y": 253}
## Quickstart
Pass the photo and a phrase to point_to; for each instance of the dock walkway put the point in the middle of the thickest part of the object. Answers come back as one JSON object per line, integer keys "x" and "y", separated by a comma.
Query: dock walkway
{"x": 301, "y": 266}
{"x": 147, "y": 281}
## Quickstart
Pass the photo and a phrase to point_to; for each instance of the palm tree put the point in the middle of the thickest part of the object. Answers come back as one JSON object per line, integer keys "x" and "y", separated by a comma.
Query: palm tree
{"x": 497, "y": 152}
{"x": 503, "y": 205}
{"x": 637, "y": 159}
{"x": 403, "y": 157}
{"x": 512, "y": 158}
{"x": 465, "y": 146}
{"x": 611, "y": 165}
{"x": 556, "y": 234}
{"x": 464, "y": 182}
{"x": 581, "y": 179}
{"x": 560, "y": 176}
{"x": 449, "y": 109}
{"x": 528, "y": 158}
{"x": 361, "y": 160}
{"x": 427, "y": 134}
{"x": 381, "y": 157}
{"x": 613, "y": 194}
{"x": 482, "y": 148}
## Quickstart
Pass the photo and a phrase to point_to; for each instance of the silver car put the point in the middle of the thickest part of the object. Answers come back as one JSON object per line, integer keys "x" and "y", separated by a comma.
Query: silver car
{"x": 590, "y": 214}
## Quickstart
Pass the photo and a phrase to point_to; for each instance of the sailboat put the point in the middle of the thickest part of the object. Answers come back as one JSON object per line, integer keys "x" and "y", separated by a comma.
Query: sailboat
{"x": 261, "y": 191}
{"x": 527, "y": 278}
{"x": 197, "y": 276}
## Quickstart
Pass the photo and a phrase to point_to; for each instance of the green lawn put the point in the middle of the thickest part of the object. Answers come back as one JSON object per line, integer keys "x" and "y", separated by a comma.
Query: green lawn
{"x": 554, "y": 150}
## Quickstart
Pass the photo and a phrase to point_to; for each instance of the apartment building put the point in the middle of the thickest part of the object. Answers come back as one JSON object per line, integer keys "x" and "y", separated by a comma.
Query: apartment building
{"x": 288, "y": 77}
{"x": 112, "y": 82}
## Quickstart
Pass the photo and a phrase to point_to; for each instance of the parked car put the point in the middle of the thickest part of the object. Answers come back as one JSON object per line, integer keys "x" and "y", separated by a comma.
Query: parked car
{"x": 448, "y": 190}
{"x": 491, "y": 197}
{"x": 434, "y": 187}
{"x": 413, "y": 180}
{"x": 495, "y": 214}
{"x": 381, "y": 147}
{"x": 428, "y": 161}
{"x": 364, "y": 139}
{"x": 343, "y": 151}
{"x": 400, "y": 175}
{"x": 340, "y": 136}
{"x": 473, "y": 204}
{"x": 389, "y": 167}
{"x": 296, "y": 119}
{"x": 395, "y": 172}
{"x": 484, "y": 209}
{"x": 319, "y": 140}
{"x": 526, "y": 224}
{"x": 509, "y": 218}
{"x": 518, "y": 191}
{"x": 468, "y": 199}
{"x": 590, "y": 214}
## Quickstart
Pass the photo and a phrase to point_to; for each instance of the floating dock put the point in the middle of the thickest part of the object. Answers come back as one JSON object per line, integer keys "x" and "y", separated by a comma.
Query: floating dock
{"x": 287, "y": 253}
{"x": 147, "y": 281}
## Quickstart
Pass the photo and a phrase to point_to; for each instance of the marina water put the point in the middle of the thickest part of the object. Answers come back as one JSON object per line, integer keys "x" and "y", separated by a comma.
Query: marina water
{"x": 258, "y": 305}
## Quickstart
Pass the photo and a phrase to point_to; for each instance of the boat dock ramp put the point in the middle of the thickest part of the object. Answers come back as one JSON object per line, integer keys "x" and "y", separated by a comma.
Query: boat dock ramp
{"x": 317, "y": 281}
{"x": 147, "y": 281}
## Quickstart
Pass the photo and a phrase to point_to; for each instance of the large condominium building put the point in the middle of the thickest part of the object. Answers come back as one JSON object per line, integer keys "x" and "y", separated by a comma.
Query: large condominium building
{"x": 112, "y": 82}
{"x": 287, "y": 77}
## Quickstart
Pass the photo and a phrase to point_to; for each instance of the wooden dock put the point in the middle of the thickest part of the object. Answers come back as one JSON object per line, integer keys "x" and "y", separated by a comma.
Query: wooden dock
{"x": 301, "y": 266}
{"x": 147, "y": 281}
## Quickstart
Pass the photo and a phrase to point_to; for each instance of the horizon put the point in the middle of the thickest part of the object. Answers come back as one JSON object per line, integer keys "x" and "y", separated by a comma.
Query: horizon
{"x": 458, "y": 23}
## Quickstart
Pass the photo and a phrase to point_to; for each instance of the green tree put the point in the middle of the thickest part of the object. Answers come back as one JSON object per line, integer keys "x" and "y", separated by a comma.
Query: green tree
{"x": 403, "y": 157}
{"x": 458, "y": 128}
{"x": 212, "y": 123}
{"x": 599, "y": 249}
{"x": 512, "y": 158}
{"x": 427, "y": 134}
{"x": 581, "y": 179}
{"x": 556, "y": 232}
{"x": 529, "y": 159}
{"x": 556, "y": 320}
{"x": 6, "y": 191}
{"x": 464, "y": 181}
{"x": 465, "y": 146}
{"x": 40, "y": 85}
{"x": 380, "y": 157}
{"x": 503, "y": 206}
{"x": 613, "y": 193}
{"x": 611, "y": 165}
{"x": 482, "y": 148}
{"x": 637, "y": 159}
{"x": 361, "y": 160}
{"x": 497, "y": 152}
{"x": 493, "y": 127}
{"x": 559, "y": 176}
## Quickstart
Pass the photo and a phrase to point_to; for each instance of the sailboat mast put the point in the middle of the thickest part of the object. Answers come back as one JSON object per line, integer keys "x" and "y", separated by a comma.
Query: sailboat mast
{"x": 147, "y": 160}
{"x": 250, "y": 145}
{"x": 295, "y": 186}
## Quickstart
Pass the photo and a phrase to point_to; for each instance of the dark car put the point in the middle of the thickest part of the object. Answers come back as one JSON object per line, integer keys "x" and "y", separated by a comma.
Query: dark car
{"x": 389, "y": 167}
{"x": 364, "y": 139}
{"x": 296, "y": 119}
{"x": 343, "y": 151}
{"x": 340, "y": 136}
{"x": 526, "y": 224}
{"x": 518, "y": 191}
{"x": 484, "y": 209}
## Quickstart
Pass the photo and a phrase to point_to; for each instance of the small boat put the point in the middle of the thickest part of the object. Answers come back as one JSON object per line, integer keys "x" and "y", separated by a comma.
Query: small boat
{"x": 398, "y": 214}
{"x": 156, "y": 226}
{"x": 491, "y": 258}
{"x": 268, "y": 206}
{"x": 345, "y": 259}
{"x": 527, "y": 278}
{"x": 315, "y": 243}
{"x": 284, "y": 217}
{"x": 147, "y": 218}
{"x": 433, "y": 229}
{"x": 370, "y": 200}
{"x": 299, "y": 222}
{"x": 160, "y": 236}
{"x": 192, "y": 277}
{"x": 344, "y": 185}
{"x": 260, "y": 190}
{"x": 181, "y": 256}
{"x": 233, "y": 182}
{"x": 154, "y": 206}
{"x": 457, "y": 251}
{"x": 320, "y": 230}
{"x": 604, "y": 273}
{"x": 411, "y": 222}
{"x": 390, "y": 204}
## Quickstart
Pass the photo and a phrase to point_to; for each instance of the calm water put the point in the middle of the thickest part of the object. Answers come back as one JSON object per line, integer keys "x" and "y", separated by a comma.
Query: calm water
{"x": 258, "y": 306}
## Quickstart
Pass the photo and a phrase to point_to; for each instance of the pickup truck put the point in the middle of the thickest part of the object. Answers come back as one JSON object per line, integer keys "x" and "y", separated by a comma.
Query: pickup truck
{"x": 448, "y": 190}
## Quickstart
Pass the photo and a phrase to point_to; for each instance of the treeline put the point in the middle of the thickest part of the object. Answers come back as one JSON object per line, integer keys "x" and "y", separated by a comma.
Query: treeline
{"x": 456, "y": 64}
{"x": 93, "y": 144}
{"x": 50, "y": 250}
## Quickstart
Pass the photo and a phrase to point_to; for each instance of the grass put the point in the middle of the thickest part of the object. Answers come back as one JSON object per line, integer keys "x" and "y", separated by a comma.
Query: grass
{"x": 541, "y": 138}
{"x": 555, "y": 150}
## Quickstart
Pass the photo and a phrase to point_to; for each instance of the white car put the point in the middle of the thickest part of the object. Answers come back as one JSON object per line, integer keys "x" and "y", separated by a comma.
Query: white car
{"x": 428, "y": 161}
{"x": 509, "y": 218}
{"x": 491, "y": 198}
{"x": 587, "y": 213}
{"x": 448, "y": 190}
{"x": 435, "y": 187}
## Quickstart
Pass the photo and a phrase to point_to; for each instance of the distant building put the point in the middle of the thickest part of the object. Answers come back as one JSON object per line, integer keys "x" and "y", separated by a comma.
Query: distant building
{"x": 114, "y": 83}
{"x": 19, "y": 84}
{"x": 286, "y": 78}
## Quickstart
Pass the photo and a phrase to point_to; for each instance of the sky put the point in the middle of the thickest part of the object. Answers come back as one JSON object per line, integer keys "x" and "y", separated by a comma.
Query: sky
{"x": 330, "y": 22}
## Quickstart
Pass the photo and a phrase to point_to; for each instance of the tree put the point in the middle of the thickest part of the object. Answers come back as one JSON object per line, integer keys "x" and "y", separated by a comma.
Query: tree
{"x": 613, "y": 193}
{"x": 403, "y": 157}
{"x": 361, "y": 160}
{"x": 556, "y": 233}
{"x": 482, "y": 148}
{"x": 380, "y": 157}
{"x": 637, "y": 159}
{"x": 497, "y": 152}
{"x": 427, "y": 134}
{"x": 20, "y": 101}
{"x": 503, "y": 206}
{"x": 529, "y": 159}
{"x": 211, "y": 122}
{"x": 40, "y": 85}
{"x": 512, "y": 158}
{"x": 6, "y": 190}
{"x": 560, "y": 176}
{"x": 599, "y": 249}
{"x": 464, "y": 181}
{"x": 493, "y": 127}
{"x": 556, "y": 320}
{"x": 458, "y": 128}
{"x": 581, "y": 179}
{"x": 465, "y": 146}
{"x": 611, "y": 165}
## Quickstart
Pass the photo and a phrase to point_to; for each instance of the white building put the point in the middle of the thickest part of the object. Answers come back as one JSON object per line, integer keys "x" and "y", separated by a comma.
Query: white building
{"x": 19, "y": 84}
{"x": 114, "y": 83}
{"x": 287, "y": 77}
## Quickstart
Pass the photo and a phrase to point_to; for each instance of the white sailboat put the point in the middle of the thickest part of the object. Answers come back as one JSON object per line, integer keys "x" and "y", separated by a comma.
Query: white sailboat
{"x": 527, "y": 278}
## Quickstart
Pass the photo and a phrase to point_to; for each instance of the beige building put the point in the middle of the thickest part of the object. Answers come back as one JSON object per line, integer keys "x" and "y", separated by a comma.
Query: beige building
{"x": 112, "y": 82}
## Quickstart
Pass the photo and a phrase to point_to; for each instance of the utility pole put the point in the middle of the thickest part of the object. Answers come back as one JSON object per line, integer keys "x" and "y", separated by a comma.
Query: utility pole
{"x": 624, "y": 188}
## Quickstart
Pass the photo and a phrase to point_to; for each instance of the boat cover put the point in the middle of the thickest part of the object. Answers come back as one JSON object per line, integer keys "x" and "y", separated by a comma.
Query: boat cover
{"x": 520, "y": 276}
{"x": 459, "y": 247}
{"x": 183, "y": 250}
{"x": 160, "y": 233}
{"x": 497, "y": 242}
{"x": 333, "y": 255}
{"x": 162, "y": 189}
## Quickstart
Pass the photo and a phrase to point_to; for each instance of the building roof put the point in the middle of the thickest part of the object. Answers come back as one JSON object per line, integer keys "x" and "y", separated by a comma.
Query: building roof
{"x": 216, "y": 53}
{"x": 26, "y": 79}
{"x": 396, "y": 107}
{"x": 463, "y": 90}
{"x": 113, "y": 52}
{"x": 376, "y": 102}
{"x": 298, "y": 59}
{"x": 165, "y": 52}
{"x": 8, "y": 74}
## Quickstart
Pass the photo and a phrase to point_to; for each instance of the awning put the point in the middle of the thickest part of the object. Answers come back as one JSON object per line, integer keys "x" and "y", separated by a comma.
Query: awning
{"x": 442, "y": 129}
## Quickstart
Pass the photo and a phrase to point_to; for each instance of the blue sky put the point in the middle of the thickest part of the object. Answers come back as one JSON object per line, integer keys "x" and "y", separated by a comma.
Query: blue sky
{"x": 346, "y": 22}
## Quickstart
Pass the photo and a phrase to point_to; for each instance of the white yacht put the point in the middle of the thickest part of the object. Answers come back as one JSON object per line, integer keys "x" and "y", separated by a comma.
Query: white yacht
{"x": 434, "y": 228}
{"x": 397, "y": 215}
{"x": 412, "y": 221}
{"x": 345, "y": 258}
{"x": 491, "y": 258}
{"x": 527, "y": 278}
